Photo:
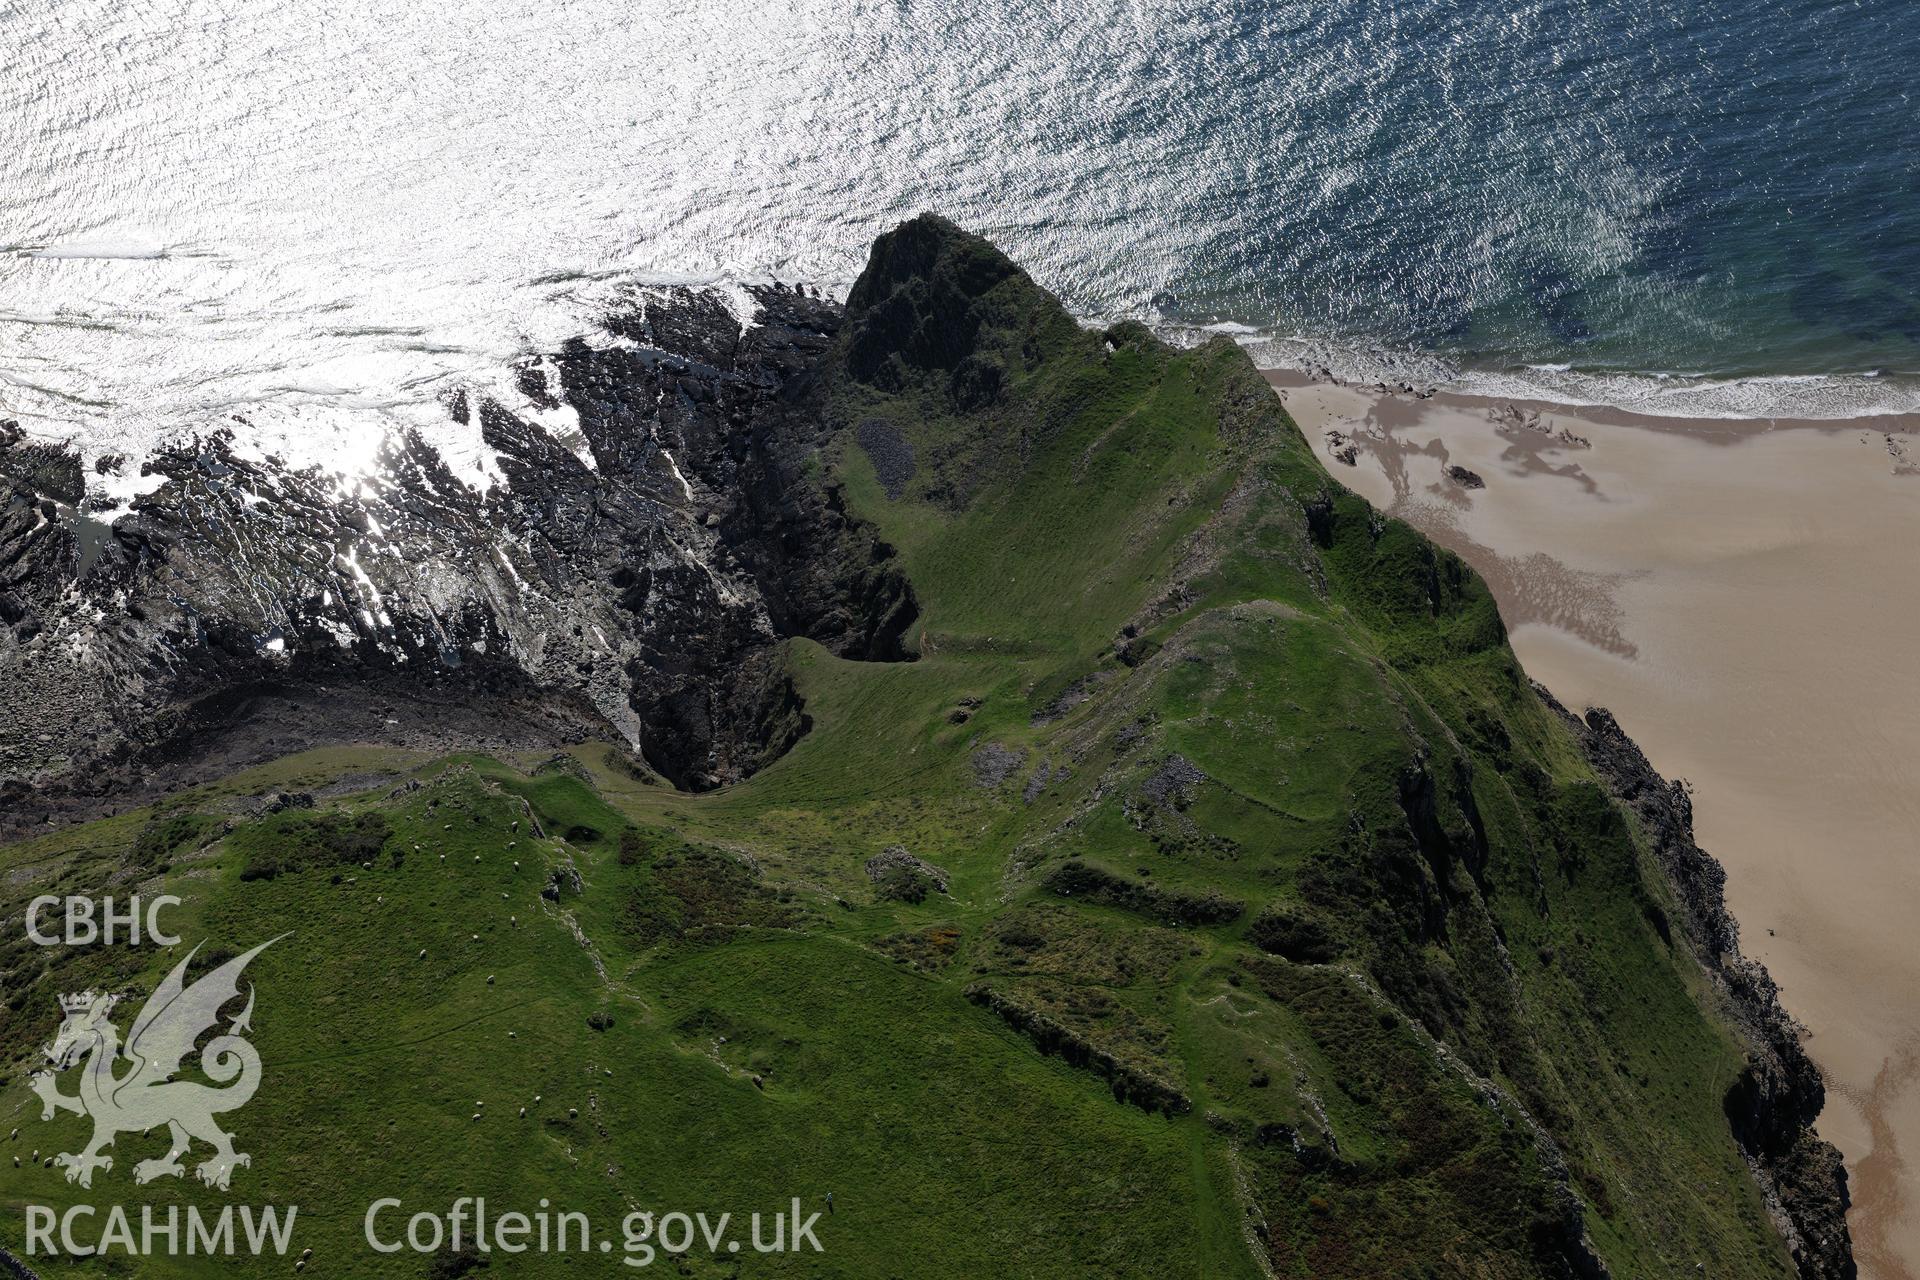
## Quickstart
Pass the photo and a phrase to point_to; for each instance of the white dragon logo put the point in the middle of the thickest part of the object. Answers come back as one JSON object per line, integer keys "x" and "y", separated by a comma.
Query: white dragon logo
{"x": 146, "y": 1097}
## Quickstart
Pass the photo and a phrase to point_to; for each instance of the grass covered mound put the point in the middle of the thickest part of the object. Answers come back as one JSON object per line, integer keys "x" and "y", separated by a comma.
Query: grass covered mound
{"x": 1258, "y": 919}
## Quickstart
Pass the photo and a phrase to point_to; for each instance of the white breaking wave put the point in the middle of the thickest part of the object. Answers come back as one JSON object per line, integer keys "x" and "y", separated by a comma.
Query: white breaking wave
{"x": 311, "y": 224}
{"x": 1814, "y": 397}
{"x": 1818, "y": 397}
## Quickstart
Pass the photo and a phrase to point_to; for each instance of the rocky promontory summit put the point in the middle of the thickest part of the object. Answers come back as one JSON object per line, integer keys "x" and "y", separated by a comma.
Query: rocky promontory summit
{"x": 921, "y": 749}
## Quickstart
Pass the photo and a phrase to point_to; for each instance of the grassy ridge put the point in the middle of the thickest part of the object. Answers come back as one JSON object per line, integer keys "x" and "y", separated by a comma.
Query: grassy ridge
{"x": 1434, "y": 1028}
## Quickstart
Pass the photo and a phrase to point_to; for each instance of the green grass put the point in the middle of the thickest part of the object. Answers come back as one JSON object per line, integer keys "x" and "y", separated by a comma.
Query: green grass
{"x": 1314, "y": 716}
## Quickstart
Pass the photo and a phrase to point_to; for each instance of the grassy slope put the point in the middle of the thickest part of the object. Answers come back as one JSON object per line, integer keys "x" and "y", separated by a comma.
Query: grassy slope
{"x": 1310, "y": 678}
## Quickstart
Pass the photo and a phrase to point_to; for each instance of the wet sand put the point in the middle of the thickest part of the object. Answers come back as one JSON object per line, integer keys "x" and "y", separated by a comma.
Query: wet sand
{"x": 1744, "y": 597}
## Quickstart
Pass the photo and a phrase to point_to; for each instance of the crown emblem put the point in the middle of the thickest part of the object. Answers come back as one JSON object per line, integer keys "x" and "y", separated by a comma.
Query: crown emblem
{"x": 139, "y": 1098}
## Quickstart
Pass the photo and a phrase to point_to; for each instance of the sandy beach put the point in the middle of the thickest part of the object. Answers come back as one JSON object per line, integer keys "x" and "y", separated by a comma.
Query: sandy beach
{"x": 1742, "y": 595}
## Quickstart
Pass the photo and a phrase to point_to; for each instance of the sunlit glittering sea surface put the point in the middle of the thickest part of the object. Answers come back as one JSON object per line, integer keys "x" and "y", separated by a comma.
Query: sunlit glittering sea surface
{"x": 321, "y": 217}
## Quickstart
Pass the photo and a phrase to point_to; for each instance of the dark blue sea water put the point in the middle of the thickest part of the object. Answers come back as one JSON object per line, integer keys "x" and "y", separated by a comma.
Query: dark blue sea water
{"x": 1728, "y": 189}
{"x": 327, "y": 216}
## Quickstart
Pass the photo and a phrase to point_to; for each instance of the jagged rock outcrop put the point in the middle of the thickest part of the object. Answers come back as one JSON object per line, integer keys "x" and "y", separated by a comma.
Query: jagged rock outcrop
{"x": 898, "y": 876}
{"x": 649, "y": 538}
{"x": 919, "y": 307}
{"x": 653, "y": 529}
{"x": 1779, "y": 1093}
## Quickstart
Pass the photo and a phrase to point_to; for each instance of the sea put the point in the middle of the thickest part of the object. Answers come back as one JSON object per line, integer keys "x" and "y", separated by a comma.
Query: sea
{"x": 308, "y": 223}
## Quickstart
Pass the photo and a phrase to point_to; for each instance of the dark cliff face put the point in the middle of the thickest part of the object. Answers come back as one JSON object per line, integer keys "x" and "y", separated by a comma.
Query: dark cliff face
{"x": 658, "y": 529}
{"x": 1773, "y": 1104}
{"x": 36, "y": 542}
{"x": 919, "y": 307}
{"x": 733, "y": 416}
{"x": 632, "y": 579}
